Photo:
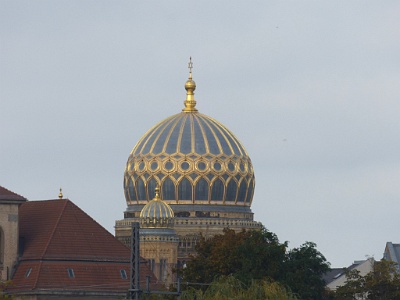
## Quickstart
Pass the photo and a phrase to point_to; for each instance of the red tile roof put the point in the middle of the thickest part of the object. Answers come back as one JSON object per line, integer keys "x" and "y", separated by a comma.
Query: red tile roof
{"x": 56, "y": 235}
{"x": 58, "y": 229}
{"x": 6, "y": 194}
{"x": 88, "y": 276}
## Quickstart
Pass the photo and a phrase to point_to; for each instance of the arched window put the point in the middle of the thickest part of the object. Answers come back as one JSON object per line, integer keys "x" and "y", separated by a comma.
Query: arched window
{"x": 132, "y": 193}
{"x": 168, "y": 190}
{"x": 126, "y": 194}
{"x": 141, "y": 190}
{"x": 185, "y": 190}
{"x": 217, "y": 191}
{"x": 250, "y": 191}
{"x": 231, "y": 190}
{"x": 242, "y": 191}
{"x": 201, "y": 191}
{"x": 151, "y": 188}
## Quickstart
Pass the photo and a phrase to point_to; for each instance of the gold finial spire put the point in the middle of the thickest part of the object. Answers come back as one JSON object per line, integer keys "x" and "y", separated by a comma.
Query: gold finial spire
{"x": 60, "y": 195}
{"x": 190, "y": 86}
{"x": 190, "y": 66}
{"x": 157, "y": 196}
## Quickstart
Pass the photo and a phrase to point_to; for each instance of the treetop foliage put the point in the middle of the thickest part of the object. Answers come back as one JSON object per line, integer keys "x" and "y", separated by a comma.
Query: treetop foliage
{"x": 230, "y": 288}
{"x": 254, "y": 255}
{"x": 383, "y": 282}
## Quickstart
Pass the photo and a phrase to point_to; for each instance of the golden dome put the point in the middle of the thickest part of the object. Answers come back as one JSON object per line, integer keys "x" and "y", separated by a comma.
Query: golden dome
{"x": 193, "y": 158}
{"x": 156, "y": 213}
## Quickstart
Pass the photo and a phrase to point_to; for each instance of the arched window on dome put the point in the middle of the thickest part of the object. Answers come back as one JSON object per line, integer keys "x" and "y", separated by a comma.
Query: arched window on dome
{"x": 250, "y": 191}
{"x": 217, "y": 190}
{"x": 141, "y": 189}
{"x": 242, "y": 191}
{"x": 151, "y": 188}
{"x": 185, "y": 190}
{"x": 231, "y": 190}
{"x": 168, "y": 189}
{"x": 131, "y": 189}
{"x": 201, "y": 190}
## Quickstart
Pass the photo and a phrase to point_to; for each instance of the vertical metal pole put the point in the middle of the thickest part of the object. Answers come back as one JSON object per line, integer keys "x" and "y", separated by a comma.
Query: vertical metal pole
{"x": 148, "y": 284}
{"x": 134, "y": 291}
{"x": 179, "y": 288}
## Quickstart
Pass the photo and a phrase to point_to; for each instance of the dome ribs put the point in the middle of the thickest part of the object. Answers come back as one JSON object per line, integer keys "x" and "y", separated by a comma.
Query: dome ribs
{"x": 214, "y": 145}
{"x": 226, "y": 144}
{"x": 185, "y": 136}
{"x": 165, "y": 148}
{"x": 142, "y": 142}
{"x": 159, "y": 143}
{"x": 200, "y": 140}
{"x": 233, "y": 140}
{"x": 171, "y": 144}
{"x": 192, "y": 135}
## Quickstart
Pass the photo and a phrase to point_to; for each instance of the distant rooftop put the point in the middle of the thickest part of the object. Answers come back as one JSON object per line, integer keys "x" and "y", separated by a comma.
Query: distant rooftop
{"x": 392, "y": 253}
{"x": 337, "y": 277}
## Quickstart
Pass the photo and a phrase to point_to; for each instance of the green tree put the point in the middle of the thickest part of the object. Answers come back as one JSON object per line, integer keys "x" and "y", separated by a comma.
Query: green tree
{"x": 3, "y": 287}
{"x": 303, "y": 270}
{"x": 247, "y": 255}
{"x": 261, "y": 256}
{"x": 230, "y": 288}
{"x": 258, "y": 255}
{"x": 354, "y": 287}
{"x": 383, "y": 282}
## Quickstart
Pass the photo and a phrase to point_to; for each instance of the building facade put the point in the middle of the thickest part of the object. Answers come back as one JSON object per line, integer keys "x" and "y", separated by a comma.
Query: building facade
{"x": 9, "y": 205}
{"x": 158, "y": 239}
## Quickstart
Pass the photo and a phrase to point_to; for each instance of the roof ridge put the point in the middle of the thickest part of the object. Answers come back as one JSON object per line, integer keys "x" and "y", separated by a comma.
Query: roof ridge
{"x": 54, "y": 228}
{"x": 77, "y": 220}
{"x": 95, "y": 222}
{"x": 37, "y": 277}
{"x": 11, "y": 192}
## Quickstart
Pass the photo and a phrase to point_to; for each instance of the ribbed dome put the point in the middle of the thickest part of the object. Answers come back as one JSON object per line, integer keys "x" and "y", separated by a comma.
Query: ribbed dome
{"x": 193, "y": 158}
{"x": 156, "y": 213}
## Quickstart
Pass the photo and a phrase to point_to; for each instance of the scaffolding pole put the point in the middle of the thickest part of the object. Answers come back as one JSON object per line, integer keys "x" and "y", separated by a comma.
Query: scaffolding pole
{"x": 134, "y": 290}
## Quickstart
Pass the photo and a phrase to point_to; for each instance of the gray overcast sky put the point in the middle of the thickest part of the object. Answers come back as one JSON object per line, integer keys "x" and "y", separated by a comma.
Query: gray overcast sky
{"x": 311, "y": 88}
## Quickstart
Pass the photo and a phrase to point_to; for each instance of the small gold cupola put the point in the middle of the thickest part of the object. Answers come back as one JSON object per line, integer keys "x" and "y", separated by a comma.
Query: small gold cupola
{"x": 190, "y": 86}
{"x": 60, "y": 195}
{"x": 156, "y": 213}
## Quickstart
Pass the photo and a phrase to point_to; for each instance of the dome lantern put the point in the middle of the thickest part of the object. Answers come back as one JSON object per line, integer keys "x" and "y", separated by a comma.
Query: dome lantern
{"x": 190, "y": 86}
